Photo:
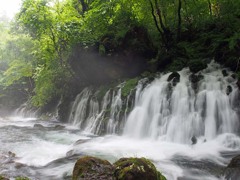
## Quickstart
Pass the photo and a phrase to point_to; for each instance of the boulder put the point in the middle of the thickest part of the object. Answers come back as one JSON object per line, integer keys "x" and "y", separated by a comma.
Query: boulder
{"x": 136, "y": 169}
{"x": 92, "y": 168}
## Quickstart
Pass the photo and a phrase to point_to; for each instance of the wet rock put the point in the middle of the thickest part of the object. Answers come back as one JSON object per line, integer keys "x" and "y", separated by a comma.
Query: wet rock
{"x": 136, "y": 169}
{"x": 58, "y": 127}
{"x": 80, "y": 141}
{"x": 174, "y": 77}
{"x": 19, "y": 165}
{"x": 39, "y": 126}
{"x": 235, "y": 162}
{"x": 194, "y": 140}
{"x": 238, "y": 84}
{"x": 194, "y": 79}
{"x": 224, "y": 72}
{"x": 229, "y": 89}
{"x": 232, "y": 171}
{"x": 234, "y": 76}
{"x": 91, "y": 168}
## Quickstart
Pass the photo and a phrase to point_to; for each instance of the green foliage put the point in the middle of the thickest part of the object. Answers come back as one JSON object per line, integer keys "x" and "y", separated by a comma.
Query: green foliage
{"x": 128, "y": 86}
{"x": 34, "y": 51}
{"x": 197, "y": 65}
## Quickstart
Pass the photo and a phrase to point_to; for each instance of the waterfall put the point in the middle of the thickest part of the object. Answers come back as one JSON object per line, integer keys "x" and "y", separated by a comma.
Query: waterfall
{"x": 203, "y": 112}
{"x": 106, "y": 115}
{"x": 25, "y": 111}
{"x": 164, "y": 110}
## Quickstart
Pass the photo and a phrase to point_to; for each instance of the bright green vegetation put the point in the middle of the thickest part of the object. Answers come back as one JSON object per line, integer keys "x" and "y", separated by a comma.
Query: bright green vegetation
{"x": 22, "y": 178}
{"x": 35, "y": 48}
{"x": 128, "y": 86}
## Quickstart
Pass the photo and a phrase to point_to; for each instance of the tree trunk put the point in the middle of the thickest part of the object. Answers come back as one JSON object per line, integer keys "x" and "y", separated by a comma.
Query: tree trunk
{"x": 84, "y": 6}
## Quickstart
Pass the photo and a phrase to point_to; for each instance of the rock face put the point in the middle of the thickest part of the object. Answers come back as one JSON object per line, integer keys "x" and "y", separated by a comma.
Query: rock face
{"x": 136, "y": 169}
{"x": 91, "y": 168}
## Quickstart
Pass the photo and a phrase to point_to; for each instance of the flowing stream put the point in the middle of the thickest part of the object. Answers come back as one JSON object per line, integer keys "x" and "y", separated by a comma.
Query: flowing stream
{"x": 158, "y": 120}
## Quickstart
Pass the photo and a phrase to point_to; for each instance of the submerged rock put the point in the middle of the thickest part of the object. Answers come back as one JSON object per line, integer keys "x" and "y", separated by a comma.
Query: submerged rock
{"x": 136, "y": 169}
{"x": 92, "y": 168}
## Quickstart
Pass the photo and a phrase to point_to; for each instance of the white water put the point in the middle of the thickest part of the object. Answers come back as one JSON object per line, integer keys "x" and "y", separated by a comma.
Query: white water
{"x": 205, "y": 113}
{"x": 160, "y": 126}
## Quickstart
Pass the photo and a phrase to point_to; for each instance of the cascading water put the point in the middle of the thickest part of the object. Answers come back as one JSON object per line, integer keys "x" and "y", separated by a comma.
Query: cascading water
{"x": 88, "y": 115}
{"x": 164, "y": 110}
{"x": 178, "y": 113}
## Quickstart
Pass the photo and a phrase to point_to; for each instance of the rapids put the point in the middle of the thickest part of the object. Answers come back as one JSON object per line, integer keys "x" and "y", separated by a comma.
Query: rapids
{"x": 157, "y": 120}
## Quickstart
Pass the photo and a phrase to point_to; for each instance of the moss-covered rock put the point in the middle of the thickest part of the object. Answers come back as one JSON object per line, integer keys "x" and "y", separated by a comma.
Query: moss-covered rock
{"x": 197, "y": 65}
{"x": 136, "y": 169}
{"x": 22, "y": 178}
{"x": 3, "y": 178}
{"x": 92, "y": 168}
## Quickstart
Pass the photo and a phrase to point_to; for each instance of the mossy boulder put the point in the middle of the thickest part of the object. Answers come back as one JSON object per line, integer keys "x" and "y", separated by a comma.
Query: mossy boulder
{"x": 136, "y": 169}
{"x": 3, "y": 178}
{"x": 92, "y": 168}
{"x": 197, "y": 65}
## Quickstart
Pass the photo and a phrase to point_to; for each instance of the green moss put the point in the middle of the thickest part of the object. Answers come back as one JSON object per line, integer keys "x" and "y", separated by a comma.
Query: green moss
{"x": 136, "y": 168}
{"x": 129, "y": 85}
{"x": 176, "y": 65}
{"x": 22, "y": 178}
